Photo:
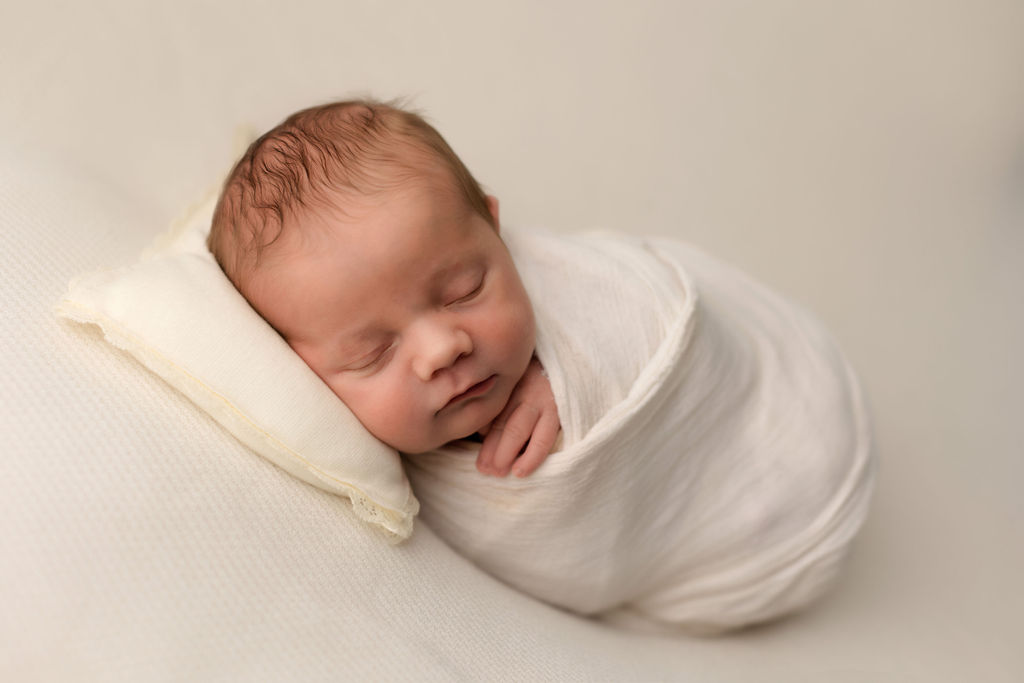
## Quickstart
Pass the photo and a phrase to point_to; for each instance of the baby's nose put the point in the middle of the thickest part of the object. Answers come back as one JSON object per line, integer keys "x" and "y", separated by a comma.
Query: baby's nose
{"x": 439, "y": 345}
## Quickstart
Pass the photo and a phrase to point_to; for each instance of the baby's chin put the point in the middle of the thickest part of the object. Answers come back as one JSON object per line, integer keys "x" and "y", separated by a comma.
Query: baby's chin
{"x": 478, "y": 425}
{"x": 478, "y": 430}
{"x": 412, "y": 444}
{"x": 474, "y": 418}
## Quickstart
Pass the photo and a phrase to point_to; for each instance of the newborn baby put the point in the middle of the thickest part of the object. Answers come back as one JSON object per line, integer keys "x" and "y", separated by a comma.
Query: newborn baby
{"x": 358, "y": 234}
{"x": 714, "y": 461}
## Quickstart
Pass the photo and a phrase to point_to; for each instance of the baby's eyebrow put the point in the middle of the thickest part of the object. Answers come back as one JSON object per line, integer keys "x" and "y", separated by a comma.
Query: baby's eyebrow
{"x": 447, "y": 271}
{"x": 358, "y": 341}
{"x": 469, "y": 262}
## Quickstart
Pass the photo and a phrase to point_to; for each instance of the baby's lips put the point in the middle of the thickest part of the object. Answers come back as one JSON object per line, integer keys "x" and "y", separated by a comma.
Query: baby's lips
{"x": 473, "y": 390}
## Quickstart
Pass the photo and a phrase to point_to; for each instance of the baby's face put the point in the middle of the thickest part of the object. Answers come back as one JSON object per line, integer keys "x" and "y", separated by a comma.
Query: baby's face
{"x": 409, "y": 308}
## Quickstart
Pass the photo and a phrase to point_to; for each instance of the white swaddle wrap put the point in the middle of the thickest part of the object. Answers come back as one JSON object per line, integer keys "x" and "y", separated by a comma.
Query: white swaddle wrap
{"x": 715, "y": 458}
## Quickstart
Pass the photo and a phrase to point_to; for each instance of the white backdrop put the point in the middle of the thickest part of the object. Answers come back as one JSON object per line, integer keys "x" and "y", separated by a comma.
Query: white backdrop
{"x": 866, "y": 158}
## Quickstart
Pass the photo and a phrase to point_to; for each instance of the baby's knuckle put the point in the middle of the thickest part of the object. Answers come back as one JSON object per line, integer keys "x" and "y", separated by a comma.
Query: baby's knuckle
{"x": 517, "y": 433}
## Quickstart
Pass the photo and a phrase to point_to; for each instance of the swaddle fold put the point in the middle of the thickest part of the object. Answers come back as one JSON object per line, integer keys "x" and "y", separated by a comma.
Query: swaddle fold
{"x": 716, "y": 456}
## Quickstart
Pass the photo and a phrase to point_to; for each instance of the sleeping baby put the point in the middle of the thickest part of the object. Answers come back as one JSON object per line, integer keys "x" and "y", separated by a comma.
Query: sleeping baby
{"x": 711, "y": 460}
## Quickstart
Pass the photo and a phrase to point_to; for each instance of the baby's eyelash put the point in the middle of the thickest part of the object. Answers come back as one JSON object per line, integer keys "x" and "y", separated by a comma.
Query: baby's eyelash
{"x": 469, "y": 295}
{"x": 371, "y": 360}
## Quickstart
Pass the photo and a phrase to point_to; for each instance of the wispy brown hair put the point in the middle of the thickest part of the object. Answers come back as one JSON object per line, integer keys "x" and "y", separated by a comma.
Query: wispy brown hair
{"x": 313, "y": 158}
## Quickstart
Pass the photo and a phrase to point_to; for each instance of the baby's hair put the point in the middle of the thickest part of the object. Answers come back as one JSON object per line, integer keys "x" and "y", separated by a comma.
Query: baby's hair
{"x": 350, "y": 148}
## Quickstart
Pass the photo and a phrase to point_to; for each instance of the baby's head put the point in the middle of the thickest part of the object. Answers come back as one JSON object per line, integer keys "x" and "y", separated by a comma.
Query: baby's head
{"x": 358, "y": 234}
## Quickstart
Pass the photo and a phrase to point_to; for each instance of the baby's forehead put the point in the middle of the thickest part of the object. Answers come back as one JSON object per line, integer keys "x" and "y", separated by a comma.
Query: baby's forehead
{"x": 343, "y": 215}
{"x": 385, "y": 239}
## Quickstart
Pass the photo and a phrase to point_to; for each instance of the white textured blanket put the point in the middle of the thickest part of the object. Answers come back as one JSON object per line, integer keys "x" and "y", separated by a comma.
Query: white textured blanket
{"x": 715, "y": 461}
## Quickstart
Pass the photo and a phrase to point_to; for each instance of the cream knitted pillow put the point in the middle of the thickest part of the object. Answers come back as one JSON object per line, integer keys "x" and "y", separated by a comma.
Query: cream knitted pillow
{"x": 177, "y": 313}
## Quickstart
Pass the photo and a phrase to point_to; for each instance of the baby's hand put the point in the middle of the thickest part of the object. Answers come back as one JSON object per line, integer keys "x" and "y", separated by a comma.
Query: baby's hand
{"x": 529, "y": 419}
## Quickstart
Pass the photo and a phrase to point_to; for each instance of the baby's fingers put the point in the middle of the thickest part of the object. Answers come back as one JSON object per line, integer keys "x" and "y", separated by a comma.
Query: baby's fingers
{"x": 508, "y": 438}
{"x": 541, "y": 442}
{"x": 487, "y": 448}
{"x": 485, "y": 458}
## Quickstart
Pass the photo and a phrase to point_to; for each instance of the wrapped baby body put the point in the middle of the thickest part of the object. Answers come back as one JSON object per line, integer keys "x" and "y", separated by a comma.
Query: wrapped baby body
{"x": 715, "y": 461}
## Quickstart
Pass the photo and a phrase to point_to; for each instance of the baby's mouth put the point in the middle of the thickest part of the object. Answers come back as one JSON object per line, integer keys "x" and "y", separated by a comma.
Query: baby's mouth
{"x": 476, "y": 390}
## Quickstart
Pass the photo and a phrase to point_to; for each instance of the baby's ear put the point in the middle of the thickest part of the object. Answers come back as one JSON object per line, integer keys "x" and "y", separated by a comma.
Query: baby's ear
{"x": 492, "y": 206}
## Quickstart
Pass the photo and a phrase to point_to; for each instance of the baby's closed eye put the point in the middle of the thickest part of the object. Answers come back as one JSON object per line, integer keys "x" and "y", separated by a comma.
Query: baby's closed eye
{"x": 376, "y": 358}
{"x": 466, "y": 289}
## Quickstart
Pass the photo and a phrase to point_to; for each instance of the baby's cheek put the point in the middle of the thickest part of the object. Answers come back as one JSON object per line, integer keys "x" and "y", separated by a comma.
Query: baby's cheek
{"x": 365, "y": 402}
{"x": 524, "y": 310}
{"x": 521, "y": 325}
{"x": 337, "y": 389}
